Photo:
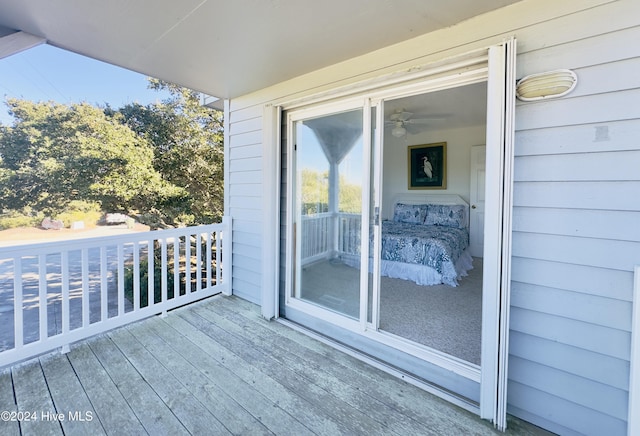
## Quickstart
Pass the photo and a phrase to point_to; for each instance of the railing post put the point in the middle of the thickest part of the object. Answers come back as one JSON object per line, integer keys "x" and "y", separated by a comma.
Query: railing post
{"x": 227, "y": 248}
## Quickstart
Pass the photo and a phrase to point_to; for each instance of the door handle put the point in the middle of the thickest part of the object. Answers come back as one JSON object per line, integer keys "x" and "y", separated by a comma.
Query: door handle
{"x": 473, "y": 206}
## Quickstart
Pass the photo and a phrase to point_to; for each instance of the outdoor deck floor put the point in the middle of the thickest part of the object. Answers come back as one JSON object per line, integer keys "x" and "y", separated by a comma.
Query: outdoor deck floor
{"x": 218, "y": 368}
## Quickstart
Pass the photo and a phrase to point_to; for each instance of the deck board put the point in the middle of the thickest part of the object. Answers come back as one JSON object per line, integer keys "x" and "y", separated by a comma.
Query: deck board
{"x": 33, "y": 399}
{"x": 328, "y": 377}
{"x": 258, "y": 405}
{"x": 68, "y": 395}
{"x": 351, "y": 420}
{"x": 155, "y": 416}
{"x": 401, "y": 408}
{"x": 201, "y": 378}
{"x": 264, "y": 384}
{"x": 7, "y": 404}
{"x": 112, "y": 409}
{"x": 187, "y": 408}
{"x": 218, "y": 367}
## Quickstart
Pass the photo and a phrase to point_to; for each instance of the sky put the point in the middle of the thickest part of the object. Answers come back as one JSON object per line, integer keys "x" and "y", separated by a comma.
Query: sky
{"x": 45, "y": 73}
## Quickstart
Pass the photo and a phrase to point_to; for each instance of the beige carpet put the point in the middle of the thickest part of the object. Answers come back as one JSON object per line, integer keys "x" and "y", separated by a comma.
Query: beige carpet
{"x": 442, "y": 317}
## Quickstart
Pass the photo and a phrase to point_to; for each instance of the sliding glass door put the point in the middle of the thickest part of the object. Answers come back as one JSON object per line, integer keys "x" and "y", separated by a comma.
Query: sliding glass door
{"x": 337, "y": 198}
{"x": 328, "y": 164}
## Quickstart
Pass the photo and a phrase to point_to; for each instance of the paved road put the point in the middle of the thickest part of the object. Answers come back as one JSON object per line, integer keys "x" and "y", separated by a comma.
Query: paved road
{"x": 32, "y": 236}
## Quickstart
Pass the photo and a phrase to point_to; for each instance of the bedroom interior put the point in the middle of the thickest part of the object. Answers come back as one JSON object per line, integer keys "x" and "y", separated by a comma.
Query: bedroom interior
{"x": 437, "y": 315}
{"x": 442, "y": 317}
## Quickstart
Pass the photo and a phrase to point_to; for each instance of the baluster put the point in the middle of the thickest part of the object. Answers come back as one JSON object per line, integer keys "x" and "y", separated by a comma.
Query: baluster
{"x": 104, "y": 291}
{"x": 176, "y": 266}
{"x": 209, "y": 260}
{"x": 136, "y": 276}
{"x": 198, "y": 261}
{"x": 219, "y": 248}
{"x": 120, "y": 251}
{"x": 163, "y": 270}
{"x": 42, "y": 284}
{"x": 151, "y": 289}
{"x": 187, "y": 264}
{"x": 66, "y": 317}
{"x": 86, "y": 320}
{"x": 18, "y": 318}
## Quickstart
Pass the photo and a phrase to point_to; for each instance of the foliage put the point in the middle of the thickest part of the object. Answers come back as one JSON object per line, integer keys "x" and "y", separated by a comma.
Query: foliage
{"x": 161, "y": 162}
{"x": 20, "y": 218}
{"x": 187, "y": 142}
{"x": 169, "y": 274}
{"x": 144, "y": 282}
{"x": 350, "y": 197}
{"x": 55, "y": 154}
{"x": 315, "y": 193}
{"x": 78, "y": 210}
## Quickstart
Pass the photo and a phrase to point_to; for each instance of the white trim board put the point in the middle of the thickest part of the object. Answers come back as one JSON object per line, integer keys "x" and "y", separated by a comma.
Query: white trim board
{"x": 633, "y": 423}
{"x": 271, "y": 134}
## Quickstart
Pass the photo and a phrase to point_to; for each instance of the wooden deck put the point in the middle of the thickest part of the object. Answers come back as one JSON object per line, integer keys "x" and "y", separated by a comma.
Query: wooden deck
{"x": 217, "y": 368}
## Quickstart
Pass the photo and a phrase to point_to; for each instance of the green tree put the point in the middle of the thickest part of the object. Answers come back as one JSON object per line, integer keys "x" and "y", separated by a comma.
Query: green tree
{"x": 54, "y": 154}
{"x": 187, "y": 140}
{"x": 315, "y": 193}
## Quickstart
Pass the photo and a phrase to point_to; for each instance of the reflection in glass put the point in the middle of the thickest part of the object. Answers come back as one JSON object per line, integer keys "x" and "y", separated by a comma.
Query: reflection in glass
{"x": 328, "y": 170}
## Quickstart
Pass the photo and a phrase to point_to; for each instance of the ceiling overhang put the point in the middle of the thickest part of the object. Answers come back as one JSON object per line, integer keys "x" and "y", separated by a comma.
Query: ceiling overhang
{"x": 228, "y": 48}
{"x": 12, "y": 42}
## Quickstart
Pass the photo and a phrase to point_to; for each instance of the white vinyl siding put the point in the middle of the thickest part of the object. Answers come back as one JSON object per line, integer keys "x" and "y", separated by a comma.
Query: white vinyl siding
{"x": 245, "y": 200}
{"x": 575, "y": 232}
{"x": 576, "y": 202}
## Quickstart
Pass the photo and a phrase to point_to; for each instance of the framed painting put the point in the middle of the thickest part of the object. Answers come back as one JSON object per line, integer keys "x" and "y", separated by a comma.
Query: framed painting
{"x": 428, "y": 166}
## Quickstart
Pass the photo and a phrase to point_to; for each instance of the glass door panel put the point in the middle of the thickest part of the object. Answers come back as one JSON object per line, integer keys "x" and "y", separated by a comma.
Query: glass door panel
{"x": 328, "y": 166}
{"x": 430, "y": 285}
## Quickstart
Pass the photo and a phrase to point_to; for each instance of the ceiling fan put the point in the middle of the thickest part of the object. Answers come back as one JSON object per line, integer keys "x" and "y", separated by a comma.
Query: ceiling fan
{"x": 400, "y": 119}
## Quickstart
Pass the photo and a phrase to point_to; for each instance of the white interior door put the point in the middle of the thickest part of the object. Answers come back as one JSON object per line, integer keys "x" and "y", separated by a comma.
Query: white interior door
{"x": 476, "y": 198}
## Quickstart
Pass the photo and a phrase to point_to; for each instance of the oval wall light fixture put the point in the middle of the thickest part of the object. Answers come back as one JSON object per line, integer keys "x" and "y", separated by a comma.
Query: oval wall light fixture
{"x": 551, "y": 84}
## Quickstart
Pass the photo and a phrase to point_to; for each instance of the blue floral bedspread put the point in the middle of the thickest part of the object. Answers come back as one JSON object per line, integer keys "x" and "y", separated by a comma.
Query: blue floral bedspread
{"x": 436, "y": 246}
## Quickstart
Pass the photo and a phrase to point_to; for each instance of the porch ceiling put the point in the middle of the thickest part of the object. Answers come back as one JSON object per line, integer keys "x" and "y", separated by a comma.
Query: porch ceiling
{"x": 229, "y": 48}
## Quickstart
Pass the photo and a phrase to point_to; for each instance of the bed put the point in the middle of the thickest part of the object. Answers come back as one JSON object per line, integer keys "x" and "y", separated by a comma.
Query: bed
{"x": 426, "y": 240}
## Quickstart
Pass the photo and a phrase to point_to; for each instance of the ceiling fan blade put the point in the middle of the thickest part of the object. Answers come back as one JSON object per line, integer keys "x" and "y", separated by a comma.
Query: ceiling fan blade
{"x": 419, "y": 120}
{"x": 428, "y": 119}
{"x": 400, "y": 116}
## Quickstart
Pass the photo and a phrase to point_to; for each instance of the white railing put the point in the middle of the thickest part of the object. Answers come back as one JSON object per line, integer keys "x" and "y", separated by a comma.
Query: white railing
{"x": 349, "y": 227}
{"x": 53, "y": 294}
{"x": 320, "y": 240}
{"x": 317, "y": 236}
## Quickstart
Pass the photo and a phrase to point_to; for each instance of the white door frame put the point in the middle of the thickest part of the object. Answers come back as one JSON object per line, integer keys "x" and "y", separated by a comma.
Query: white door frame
{"x": 271, "y": 138}
{"x": 497, "y": 241}
{"x": 500, "y": 74}
{"x": 343, "y": 105}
